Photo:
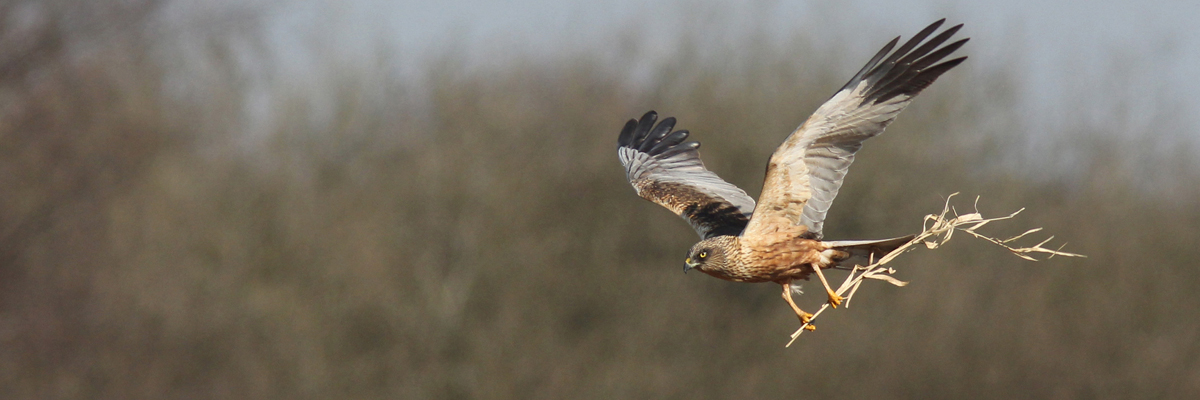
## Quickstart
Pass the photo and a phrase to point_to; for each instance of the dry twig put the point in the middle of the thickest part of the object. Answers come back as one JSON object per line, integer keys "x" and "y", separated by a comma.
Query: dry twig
{"x": 937, "y": 231}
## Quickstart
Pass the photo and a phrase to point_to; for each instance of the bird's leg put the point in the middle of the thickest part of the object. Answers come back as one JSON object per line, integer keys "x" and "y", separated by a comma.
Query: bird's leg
{"x": 805, "y": 318}
{"x": 834, "y": 299}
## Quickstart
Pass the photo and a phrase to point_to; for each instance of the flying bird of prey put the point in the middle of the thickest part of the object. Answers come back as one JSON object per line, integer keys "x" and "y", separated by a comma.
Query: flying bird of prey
{"x": 780, "y": 240}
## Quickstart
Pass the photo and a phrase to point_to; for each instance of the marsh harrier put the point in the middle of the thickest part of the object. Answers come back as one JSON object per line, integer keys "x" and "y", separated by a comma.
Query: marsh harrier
{"x": 780, "y": 240}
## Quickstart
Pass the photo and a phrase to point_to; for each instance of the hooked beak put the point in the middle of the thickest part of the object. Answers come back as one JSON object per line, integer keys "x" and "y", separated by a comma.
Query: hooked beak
{"x": 688, "y": 265}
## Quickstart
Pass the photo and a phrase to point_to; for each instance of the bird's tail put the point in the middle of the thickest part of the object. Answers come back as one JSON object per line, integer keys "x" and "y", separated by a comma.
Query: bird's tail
{"x": 865, "y": 249}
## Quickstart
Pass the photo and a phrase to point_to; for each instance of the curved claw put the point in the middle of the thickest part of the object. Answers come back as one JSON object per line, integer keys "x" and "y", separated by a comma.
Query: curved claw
{"x": 805, "y": 318}
{"x": 834, "y": 299}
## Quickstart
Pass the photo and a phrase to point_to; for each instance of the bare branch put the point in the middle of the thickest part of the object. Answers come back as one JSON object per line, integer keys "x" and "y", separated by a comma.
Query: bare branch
{"x": 938, "y": 230}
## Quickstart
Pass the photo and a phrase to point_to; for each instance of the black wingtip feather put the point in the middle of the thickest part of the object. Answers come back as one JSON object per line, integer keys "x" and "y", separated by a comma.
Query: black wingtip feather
{"x": 905, "y": 48}
{"x": 656, "y": 140}
{"x": 905, "y": 72}
{"x": 938, "y": 55}
{"x": 871, "y": 64}
{"x": 671, "y": 140}
{"x": 922, "y": 80}
{"x": 626, "y": 137}
{"x": 681, "y": 148}
{"x": 643, "y": 127}
{"x": 660, "y": 131}
{"x": 649, "y": 115}
{"x": 930, "y": 45}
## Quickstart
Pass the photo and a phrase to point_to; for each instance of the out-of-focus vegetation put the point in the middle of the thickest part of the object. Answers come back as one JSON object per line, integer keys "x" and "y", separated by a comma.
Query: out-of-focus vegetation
{"x": 473, "y": 236}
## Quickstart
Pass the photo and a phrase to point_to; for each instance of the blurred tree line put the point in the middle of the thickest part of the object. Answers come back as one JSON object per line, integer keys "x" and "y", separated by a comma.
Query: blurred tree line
{"x": 473, "y": 236}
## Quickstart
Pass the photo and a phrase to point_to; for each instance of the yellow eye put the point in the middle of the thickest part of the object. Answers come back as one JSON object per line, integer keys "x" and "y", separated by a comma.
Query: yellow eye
{"x": 703, "y": 255}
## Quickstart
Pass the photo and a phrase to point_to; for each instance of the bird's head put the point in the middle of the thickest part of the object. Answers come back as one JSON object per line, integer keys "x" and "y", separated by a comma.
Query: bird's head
{"x": 709, "y": 255}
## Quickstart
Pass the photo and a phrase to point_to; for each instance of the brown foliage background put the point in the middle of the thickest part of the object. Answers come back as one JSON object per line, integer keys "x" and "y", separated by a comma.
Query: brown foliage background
{"x": 472, "y": 236}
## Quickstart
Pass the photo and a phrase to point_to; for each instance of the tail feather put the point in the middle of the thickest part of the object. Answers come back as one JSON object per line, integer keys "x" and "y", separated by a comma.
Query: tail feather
{"x": 866, "y": 248}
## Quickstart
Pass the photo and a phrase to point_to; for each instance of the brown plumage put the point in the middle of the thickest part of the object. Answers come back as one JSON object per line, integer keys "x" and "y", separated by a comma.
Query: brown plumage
{"x": 779, "y": 240}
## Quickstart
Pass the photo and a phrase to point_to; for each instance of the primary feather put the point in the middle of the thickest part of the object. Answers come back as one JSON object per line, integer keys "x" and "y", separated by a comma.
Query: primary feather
{"x": 806, "y": 171}
{"x": 665, "y": 169}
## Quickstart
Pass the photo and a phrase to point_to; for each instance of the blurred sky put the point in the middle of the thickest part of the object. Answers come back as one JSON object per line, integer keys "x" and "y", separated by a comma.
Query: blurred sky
{"x": 1075, "y": 59}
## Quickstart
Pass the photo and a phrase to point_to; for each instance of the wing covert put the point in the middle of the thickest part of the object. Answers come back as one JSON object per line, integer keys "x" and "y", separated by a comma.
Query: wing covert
{"x": 665, "y": 169}
{"x": 807, "y": 170}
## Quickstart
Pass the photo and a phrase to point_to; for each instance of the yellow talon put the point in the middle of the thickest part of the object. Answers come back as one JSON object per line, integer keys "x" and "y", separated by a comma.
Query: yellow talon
{"x": 787, "y": 295}
{"x": 834, "y": 299}
{"x": 805, "y": 317}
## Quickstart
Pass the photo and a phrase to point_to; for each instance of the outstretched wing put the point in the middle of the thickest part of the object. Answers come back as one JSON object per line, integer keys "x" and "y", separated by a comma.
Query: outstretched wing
{"x": 806, "y": 171}
{"x": 666, "y": 170}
